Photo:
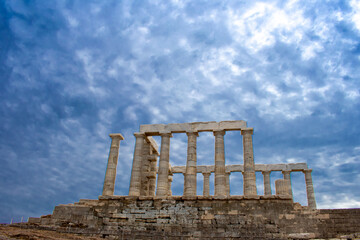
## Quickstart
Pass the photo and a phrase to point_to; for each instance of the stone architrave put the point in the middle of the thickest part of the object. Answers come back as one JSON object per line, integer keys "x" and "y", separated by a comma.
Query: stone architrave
{"x": 267, "y": 185}
{"x": 249, "y": 164}
{"x": 287, "y": 178}
{"x": 135, "y": 180}
{"x": 190, "y": 174}
{"x": 309, "y": 189}
{"x": 163, "y": 173}
{"x": 110, "y": 175}
{"x": 220, "y": 182}
{"x": 227, "y": 180}
{"x": 206, "y": 186}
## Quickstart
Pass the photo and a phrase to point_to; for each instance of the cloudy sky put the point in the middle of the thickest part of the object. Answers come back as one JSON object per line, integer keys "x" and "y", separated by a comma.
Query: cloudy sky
{"x": 72, "y": 72}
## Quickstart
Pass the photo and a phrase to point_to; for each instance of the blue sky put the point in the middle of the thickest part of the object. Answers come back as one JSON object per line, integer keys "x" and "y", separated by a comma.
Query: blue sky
{"x": 72, "y": 72}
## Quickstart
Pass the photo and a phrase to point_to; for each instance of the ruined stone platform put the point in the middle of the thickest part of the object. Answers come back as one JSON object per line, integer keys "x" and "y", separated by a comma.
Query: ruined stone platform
{"x": 177, "y": 217}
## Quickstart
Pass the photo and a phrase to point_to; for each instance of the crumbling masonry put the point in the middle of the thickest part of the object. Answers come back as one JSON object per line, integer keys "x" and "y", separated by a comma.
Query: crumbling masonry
{"x": 151, "y": 212}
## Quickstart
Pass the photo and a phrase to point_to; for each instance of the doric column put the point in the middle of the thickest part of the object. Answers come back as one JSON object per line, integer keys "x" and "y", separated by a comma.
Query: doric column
{"x": 309, "y": 189}
{"x": 227, "y": 181}
{"x": 135, "y": 180}
{"x": 220, "y": 187}
{"x": 190, "y": 174}
{"x": 152, "y": 175}
{"x": 282, "y": 187}
{"x": 170, "y": 179}
{"x": 163, "y": 173}
{"x": 110, "y": 175}
{"x": 267, "y": 186}
{"x": 206, "y": 186}
{"x": 249, "y": 164}
{"x": 288, "y": 181}
{"x": 145, "y": 167}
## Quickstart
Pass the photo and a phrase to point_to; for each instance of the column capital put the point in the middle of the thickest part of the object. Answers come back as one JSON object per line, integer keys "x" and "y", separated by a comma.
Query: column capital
{"x": 116, "y": 135}
{"x": 191, "y": 133}
{"x": 266, "y": 172}
{"x": 228, "y": 173}
{"x": 165, "y": 134}
{"x": 206, "y": 173}
{"x": 245, "y": 131}
{"x": 139, "y": 135}
{"x": 286, "y": 171}
{"x": 307, "y": 170}
{"x": 219, "y": 132}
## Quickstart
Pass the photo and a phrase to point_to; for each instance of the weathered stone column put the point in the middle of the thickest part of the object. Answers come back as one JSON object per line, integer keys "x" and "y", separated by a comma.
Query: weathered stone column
{"x": 152, "y": 175}
{"x": 170, "y": 179}
{"x": 281, "y": 187}
{"x": 309, "y": 189}
{"x": 220, "y": 184}
{"x": 135, "y": 180}
{"x": 206, "y": 186}
{"x": 110, "y": 175}
{"x": 190, "y": 174}
{"x": 249, "y": 164}
{"x": 145, "y": 167}
{"x": 288, "y": 181}
{"x": 163, "y": 173}
{"x": 267, "y": 185}
{"x": 227, "y": 181}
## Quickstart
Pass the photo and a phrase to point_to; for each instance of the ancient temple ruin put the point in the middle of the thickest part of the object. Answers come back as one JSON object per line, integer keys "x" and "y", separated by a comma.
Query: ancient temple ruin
{"x": 150, "y": 211}
{"x": 145, "y": 172}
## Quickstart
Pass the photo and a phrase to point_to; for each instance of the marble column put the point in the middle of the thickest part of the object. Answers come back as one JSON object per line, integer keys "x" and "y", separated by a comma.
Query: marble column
{"x": 135, "y": 180}
{"x": 267, "y": 185}
{"x": 110, "y": 175}
{"x": 281, "y": 187}
{"x": 163, "y": 173}
{"x": 220, "y": 184}
{"x": 145, "y": 169}
{"x": 170, "y": 179}
{"x": 152, "y": 174}
{"x": 190, "y": 174}
{"x": 206, "y": 186}
{"x": 309, "y": 189}
{"x": 227, "y": 181}
{"x": 287, "y": 177}
{"x": 249, "y": 164}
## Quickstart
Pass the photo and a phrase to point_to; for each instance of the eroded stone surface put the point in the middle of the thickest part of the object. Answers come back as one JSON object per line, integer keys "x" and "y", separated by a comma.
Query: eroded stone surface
{"x": 121, "y": 217}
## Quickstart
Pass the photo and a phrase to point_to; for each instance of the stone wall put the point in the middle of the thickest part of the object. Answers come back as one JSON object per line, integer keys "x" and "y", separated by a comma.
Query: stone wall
{"x": 199, "y": 218}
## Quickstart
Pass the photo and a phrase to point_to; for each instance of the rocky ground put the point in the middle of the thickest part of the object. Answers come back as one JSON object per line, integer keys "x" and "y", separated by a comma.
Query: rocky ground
{"x": 8, "y": 232}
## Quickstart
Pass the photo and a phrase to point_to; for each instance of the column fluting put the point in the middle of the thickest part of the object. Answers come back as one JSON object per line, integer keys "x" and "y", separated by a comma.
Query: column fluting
{"x": 110, "y": 175}
{"x": 163, "y": 173}
{"x": 267, "y": 185}
{"x": 190, "y": 174}
{"x": 249, "y": 164}
{"x": 309, "y": 189}
{"x": 206, "y": 186}
{"x": 220, "y": 183}
{"x": 135, "y": 180}
{"x": 287, "y": 178}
